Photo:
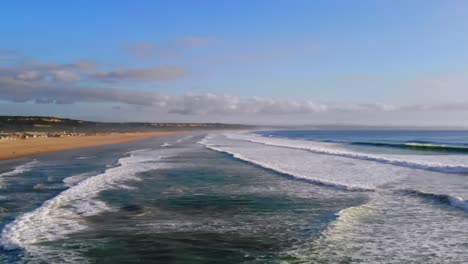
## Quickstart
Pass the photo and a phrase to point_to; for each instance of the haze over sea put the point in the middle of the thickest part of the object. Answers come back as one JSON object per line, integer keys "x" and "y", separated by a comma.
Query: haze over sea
{"x": 243, "y": 197}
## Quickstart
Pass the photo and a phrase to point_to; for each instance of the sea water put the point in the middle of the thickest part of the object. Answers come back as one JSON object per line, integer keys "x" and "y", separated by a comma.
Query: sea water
{"x": 242, "y": 197}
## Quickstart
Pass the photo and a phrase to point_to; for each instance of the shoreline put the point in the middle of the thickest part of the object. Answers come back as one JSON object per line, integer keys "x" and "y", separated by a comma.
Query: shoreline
{"x": 25, "y": 148}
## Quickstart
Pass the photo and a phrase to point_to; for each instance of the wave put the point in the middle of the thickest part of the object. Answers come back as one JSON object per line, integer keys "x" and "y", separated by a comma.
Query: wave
{"x": 398, "y": 224}
{"x": 20, "y": 169}
{"x": 63, "y": 214}
{"x": 184, "y": 138}
{"x": 337, "y": 240}
{"x": 416, "y": 146}
{"x": 454, "y": 201}
{"x": 75, "y": 179}
{"x": 85, "y": 157}
{"x": 353, "y": 214}
{"x": 333, "y": 149}
{"x": 295, "y": 175}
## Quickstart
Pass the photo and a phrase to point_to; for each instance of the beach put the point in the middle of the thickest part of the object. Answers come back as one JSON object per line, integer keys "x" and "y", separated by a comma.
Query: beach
{"x": 11, "y": 149}
{"x": 234, "y": 197}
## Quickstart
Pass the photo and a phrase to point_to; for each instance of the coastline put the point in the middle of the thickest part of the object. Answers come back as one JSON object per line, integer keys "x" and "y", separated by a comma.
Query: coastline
{"x": 25, "y": 148}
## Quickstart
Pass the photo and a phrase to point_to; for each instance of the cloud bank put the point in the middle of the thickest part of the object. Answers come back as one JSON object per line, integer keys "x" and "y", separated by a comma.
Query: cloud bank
{"x": 51, "y": 74}
{"x": 87, "y": 82}
{"x": 20, "y": 90}
{"x": 29, "y": 86}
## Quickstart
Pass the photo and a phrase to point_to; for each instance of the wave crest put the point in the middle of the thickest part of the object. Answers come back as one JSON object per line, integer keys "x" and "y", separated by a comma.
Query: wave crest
{"x": 416, "y": 146}
{"x": 424, "y": 162}
{"x": 454, "y": 201}
{"x": 63, "y": 214}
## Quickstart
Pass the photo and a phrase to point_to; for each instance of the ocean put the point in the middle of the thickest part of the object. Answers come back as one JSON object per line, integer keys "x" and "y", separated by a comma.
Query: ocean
{"x": 290, "y": 196}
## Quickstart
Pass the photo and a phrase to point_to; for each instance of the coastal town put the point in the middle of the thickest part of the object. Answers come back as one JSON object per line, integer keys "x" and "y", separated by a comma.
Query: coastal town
{"x": 31, "y": 135}
{"x": 27, "y": 127}
{"x": 23, "y": 136}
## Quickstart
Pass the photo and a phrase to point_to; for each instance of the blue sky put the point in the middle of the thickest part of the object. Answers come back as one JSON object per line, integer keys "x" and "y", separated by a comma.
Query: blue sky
{"x": 312, "y": 60}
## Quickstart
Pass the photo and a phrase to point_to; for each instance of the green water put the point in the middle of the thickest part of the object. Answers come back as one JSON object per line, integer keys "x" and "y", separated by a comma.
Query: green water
{"x": 209, "y": 208}
{"x": 199, "y": 206}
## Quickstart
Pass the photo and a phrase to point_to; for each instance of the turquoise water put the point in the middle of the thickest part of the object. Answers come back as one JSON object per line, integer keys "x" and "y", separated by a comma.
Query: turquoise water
{"x": 233, "y": 198}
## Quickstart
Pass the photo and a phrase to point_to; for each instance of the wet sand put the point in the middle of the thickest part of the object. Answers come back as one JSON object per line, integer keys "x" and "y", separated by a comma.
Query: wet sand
{"x": 11, "y": 149}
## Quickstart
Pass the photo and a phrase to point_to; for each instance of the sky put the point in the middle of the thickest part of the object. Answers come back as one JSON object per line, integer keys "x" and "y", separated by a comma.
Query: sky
{"x": 256, "y": 62}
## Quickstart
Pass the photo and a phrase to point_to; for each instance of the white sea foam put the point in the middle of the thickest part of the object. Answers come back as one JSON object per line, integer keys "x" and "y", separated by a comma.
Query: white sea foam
{"x": 20, "y": 169}
{"x": 63, "y": 214}
{"x": 351, "y": 214}
{"x": 278, "y": 168}
{"x": 17, "y": 170}
{"x": 86, "y": 157}
{"x": 392, "y": 229}
{"x": 75, "y": 179}
{"x": 184, "y": 138}
{"x": 441, "y": 163}
{"x": 337, "y": 171}
{"x": 451, "y": 200}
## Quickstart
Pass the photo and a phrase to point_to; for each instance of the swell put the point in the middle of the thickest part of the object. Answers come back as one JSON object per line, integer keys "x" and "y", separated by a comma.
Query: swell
{"x": 416, "y": 146}
{"x": 432, "y": 166}
{"x": 453, "y": 201}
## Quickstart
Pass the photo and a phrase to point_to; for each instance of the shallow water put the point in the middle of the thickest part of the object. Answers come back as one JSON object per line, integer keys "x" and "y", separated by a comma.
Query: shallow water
{"x": 173, "y": 200}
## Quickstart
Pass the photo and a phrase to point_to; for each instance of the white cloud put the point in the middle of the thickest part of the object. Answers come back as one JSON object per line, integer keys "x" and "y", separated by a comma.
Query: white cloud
{"x": 64, "y": 76}
{"x": 53, "y": 84}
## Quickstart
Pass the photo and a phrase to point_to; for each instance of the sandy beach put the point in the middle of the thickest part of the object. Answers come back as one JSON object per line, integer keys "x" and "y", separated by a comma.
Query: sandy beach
{"x": 10, "y": 149}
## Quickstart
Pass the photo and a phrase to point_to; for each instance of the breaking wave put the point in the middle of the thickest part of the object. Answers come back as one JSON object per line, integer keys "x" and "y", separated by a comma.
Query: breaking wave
{"x": 285, "y": 172}
{"x": 454, "y": 201}
{"x": 64, "y": 214}
{"x": 75, "y": 179}
{"x": 449, "y": 164}
{"x": 337, "y": 172}
{"x": 417, "y": 146}
{"x": 20, "y": 169}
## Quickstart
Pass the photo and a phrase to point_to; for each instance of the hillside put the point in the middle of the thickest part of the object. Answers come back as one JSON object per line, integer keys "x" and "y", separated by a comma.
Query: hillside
{"x": 9, "y": 124}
